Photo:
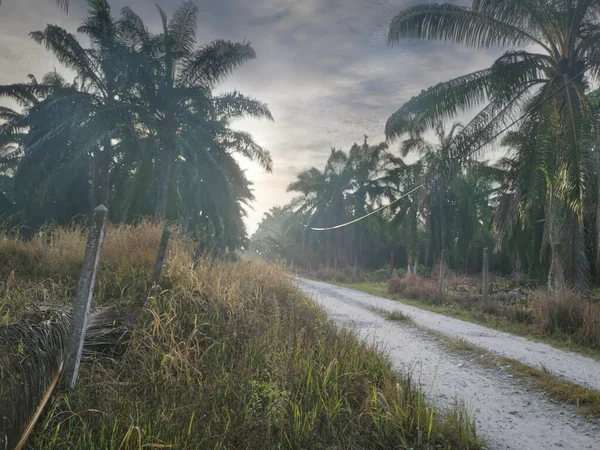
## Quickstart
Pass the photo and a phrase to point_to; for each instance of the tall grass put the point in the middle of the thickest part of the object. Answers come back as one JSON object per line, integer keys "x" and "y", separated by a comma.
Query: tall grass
{"x": 224, "y": 356}
{"x": 563, "y": 314}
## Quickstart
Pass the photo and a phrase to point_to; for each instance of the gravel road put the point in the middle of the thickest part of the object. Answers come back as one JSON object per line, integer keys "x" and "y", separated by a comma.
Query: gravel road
{"x": 508, "y": 413}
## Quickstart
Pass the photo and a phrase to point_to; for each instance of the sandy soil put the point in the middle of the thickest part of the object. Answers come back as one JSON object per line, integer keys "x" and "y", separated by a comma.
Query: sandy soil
{"x": 508, "y": 413}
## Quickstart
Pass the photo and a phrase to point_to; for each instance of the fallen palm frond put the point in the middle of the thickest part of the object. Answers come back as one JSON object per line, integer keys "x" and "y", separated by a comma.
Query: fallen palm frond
{"x": 32, "y": 353}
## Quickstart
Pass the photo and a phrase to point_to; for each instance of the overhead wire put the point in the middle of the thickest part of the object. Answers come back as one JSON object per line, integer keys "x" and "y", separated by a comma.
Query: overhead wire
{"x": 494, "y": 137}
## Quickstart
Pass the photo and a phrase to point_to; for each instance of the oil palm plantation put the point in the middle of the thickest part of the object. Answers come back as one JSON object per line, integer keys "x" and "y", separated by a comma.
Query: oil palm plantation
{"x": 350, "y": 185}
{"x": 552, "y": 58}
{"x": 454, "y": 204}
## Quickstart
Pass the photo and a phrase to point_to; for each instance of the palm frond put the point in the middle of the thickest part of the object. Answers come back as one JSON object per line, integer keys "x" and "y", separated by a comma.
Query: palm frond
{"x": 33, "y": 350}
{"x": 68, "y": 51}
{"x": 235, "y": 105}
{"x": 215, "y": 61}
{"x": 244, "y": 144}
{"x": 440, "y": 102}
{"x": 182, "y": 28}
{"x": 457, "y": 24}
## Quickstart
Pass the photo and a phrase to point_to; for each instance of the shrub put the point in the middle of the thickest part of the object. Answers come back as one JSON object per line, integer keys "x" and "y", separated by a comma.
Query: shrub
{"x": 567, "y": 312}
{"x": 414, "y": 287}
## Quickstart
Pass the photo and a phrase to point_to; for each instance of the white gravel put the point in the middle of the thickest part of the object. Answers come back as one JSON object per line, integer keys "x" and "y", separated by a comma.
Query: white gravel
{"x": 508, "y": 413}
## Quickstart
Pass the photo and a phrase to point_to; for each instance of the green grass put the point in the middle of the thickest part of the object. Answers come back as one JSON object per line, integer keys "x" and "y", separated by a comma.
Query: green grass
{"x": 394, "y": 316}
{"x": 587, "y": 400}
{"x": 558, "y": 340}
{"x": 227, "y": 356}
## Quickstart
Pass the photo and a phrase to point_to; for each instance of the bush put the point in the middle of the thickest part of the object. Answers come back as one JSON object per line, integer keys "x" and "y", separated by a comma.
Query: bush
{"x": 414, "y": 287}
{"x": 566, "y": 312}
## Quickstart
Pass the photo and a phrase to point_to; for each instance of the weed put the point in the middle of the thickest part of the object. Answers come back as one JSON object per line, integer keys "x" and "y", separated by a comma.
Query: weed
{"x": 394, "y": 315}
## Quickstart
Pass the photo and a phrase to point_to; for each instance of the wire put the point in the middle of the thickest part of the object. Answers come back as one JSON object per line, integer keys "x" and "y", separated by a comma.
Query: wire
{"x": 367, "y": 215}
{"x": 468, "y": 154}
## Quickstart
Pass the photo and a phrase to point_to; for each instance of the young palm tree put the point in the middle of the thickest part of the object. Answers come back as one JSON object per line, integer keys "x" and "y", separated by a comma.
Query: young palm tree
{"x": 176, "y": 79}
{"x": 547, "y": 79}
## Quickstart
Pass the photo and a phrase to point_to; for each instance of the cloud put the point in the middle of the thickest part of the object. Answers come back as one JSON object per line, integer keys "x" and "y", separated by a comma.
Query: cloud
{"x": 323, "y": 66}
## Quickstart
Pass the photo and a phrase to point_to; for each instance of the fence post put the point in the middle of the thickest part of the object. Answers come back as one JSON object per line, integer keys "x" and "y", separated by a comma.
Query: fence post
{"x": 415, "y": 270}
{"x": 160, "y": 257}
{"x": 442, "y": 271}
{"x": 486, "y": 276}
{"x": 410, "y": 262}
{"x": 85, "y": 292}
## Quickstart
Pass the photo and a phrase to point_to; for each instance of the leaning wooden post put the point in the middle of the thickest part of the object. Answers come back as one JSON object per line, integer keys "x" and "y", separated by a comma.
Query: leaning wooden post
{"x": 442, "y": 271}
{"x": 486, "y": 276}
{"x": 160, "y": 257}
{"x": 85, "y": 292}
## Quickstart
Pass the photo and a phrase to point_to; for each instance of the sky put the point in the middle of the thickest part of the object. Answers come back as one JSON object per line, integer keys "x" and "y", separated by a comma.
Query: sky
{"x": 324, "y": 67}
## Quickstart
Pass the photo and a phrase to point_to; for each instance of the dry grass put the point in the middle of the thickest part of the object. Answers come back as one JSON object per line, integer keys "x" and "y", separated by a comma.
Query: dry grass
{"x": 565, "y": 312}
{"x": 225, "y": 356}
{"x": 564, "y": 315}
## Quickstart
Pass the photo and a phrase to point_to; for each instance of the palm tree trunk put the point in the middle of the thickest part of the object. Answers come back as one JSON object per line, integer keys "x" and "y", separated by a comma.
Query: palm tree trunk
{"x": 163, "y": 180}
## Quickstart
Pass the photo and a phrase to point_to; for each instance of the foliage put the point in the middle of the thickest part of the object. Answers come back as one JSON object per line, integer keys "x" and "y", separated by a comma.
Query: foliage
{"x": 221, "y": 356}
{"x": 553, "y": 163}
{"x": 139, "y": 130}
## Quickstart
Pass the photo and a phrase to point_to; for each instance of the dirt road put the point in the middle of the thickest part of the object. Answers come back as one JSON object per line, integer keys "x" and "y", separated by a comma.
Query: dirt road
{"x": 509, "y": 414}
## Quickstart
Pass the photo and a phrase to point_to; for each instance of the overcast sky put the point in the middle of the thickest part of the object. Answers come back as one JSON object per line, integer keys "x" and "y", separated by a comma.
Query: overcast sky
{"x": 323, "y": 66}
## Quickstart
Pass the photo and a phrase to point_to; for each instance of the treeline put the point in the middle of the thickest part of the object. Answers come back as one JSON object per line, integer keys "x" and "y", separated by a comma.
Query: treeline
{"x": 454, "y": 210}
{"x": 538, "y": 207}
{"x": 139, "y": 129}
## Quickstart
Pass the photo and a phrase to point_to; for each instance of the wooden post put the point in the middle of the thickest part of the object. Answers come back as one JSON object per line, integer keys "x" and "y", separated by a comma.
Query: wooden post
{"x": 442, "y": 271}
{"x": 415, "y": 270}
{"x": 292, "y": 265}
{"x": 85, "y": 292}
{"x": 160, "y": 257}
{"x": 485, "y": 276}
{"x": 410, "y": 262}
{"x": 392, "y": 263}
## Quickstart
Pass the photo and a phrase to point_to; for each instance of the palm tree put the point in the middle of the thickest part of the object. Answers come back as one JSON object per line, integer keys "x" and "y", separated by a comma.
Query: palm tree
{"x": 349, "y": 186}
{"x": 548, "y": 84}
{"x": 97, "y": 114}
{"x": 38, "y": 158}
{"x": 176, "y": 79}
{"x": 454, "y": 204}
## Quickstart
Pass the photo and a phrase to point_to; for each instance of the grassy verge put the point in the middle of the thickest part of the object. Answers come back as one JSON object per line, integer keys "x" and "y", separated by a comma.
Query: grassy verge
{"x": 227, "y": 356}
{"x": 474, "y": 313}
{"x": 587, "y": 400}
